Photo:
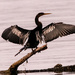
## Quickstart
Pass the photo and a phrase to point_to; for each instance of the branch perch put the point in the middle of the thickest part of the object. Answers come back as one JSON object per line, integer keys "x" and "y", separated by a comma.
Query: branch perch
{"x": 15, "y": 65}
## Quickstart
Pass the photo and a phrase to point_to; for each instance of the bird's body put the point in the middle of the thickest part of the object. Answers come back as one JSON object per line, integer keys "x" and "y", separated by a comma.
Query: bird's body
{"x": 35, "y": 35}
{"x": 32, "y": 40}
{"x": 52, "y": 31}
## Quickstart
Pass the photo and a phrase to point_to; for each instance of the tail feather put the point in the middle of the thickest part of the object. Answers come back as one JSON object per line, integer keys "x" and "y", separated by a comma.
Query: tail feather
{"x": 24, "y": 48}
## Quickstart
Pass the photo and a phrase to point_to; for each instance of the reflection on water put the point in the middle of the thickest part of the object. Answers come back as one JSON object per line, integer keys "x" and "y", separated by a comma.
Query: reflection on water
{"x": 22, "y": 13}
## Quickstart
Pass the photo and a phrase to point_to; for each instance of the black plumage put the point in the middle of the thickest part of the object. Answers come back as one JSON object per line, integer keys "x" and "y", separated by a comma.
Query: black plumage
{"x": 55, "y": 30}
{"x": 52, "y": 31}
{"x": 15, "y": 34}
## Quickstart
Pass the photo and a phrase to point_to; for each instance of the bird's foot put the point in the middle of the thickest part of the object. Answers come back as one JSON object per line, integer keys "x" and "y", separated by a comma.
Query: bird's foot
{"x": 32, "y": 50}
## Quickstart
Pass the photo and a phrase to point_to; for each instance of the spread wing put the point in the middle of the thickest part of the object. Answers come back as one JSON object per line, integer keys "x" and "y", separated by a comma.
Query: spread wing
{"x": 54, "y": 30}
{"x": 16, "y": 34}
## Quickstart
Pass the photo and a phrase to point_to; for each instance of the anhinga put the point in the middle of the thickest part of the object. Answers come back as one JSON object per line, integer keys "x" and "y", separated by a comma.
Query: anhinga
{"x": 52, "y": 31}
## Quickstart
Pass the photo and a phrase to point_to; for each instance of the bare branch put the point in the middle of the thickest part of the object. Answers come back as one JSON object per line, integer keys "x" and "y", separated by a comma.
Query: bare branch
{"x": 14, "y": 66}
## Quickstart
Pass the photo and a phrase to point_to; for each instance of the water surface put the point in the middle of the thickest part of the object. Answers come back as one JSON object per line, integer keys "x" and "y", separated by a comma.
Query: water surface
{"x": 22, "y": 13}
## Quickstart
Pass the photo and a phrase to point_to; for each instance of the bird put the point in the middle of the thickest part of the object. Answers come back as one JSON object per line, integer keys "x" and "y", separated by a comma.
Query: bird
{"x": 31, "y": 38}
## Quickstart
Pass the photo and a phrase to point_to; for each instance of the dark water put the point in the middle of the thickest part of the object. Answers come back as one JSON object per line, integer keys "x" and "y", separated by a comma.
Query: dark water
{"x": 22, "y": 13}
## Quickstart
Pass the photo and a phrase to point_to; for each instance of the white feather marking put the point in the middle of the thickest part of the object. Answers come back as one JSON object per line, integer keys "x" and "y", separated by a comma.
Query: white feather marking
{"x": 17, "y": 32}
{"x": 26, "y": 41}
{"x": 26, "y": 36}
{"x": 38, "y": 37}
{"x": 51, "y": 28}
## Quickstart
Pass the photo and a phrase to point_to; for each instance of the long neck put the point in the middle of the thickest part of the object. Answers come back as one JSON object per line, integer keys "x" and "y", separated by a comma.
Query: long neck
{"x": 38, "y": 23}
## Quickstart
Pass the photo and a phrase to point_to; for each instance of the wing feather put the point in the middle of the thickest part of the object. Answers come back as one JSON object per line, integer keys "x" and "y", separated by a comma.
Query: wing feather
{"x": 16, "y": 34}
{"x": 54, "y": 30}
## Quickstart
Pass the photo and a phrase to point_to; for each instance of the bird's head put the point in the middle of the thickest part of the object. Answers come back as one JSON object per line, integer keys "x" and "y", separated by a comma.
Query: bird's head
{"x": 38, "y": 23}
{"x": 41, "y": 14}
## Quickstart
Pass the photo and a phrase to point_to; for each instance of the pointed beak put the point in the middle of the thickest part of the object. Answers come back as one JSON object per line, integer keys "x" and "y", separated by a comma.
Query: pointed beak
{"x": 47, "y": 13}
